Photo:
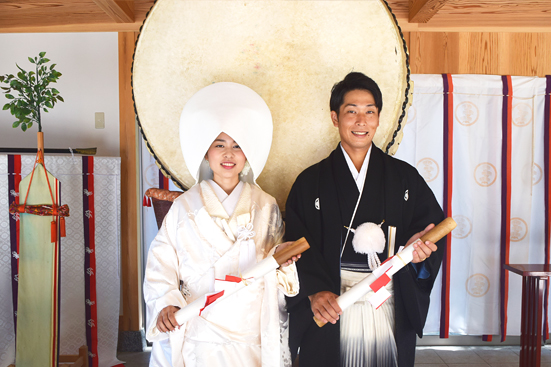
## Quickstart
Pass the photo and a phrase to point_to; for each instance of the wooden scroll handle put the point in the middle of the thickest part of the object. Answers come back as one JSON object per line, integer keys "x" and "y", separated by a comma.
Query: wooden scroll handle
{"x": 319, "y": 322}
{"x": 442, "y": 229}
{"x": 296, "y": 248}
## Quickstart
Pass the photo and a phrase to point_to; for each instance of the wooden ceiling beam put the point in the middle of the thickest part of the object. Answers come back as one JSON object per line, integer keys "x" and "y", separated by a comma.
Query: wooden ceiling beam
{"x": 74, "y": 28}
{"x": 119, "y": 11}
{"x": 420, "y": 11}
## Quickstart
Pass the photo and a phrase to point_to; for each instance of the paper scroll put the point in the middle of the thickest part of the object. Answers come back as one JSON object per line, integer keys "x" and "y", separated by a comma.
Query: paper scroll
{"x": 262, "y": 268}
{"x": 382, "y": 275}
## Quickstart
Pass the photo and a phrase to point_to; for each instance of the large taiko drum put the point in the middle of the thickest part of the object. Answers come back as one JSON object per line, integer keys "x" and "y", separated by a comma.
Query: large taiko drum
{"x": 289, "y": 52}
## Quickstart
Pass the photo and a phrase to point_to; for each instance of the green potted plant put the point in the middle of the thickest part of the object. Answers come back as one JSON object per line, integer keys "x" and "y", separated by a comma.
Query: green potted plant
{"x": 35, "y": 95}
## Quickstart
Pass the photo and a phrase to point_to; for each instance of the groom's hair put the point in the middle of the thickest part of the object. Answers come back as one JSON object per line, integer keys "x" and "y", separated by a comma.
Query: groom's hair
{"x": 354, "y": 81}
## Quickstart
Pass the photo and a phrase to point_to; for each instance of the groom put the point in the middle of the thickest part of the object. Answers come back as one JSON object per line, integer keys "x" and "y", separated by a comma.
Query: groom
{"x": 360, "y": 182}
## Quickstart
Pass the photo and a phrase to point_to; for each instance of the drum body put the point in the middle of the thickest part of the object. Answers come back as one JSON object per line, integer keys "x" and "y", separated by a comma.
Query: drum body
{"x": 289, "y": 52}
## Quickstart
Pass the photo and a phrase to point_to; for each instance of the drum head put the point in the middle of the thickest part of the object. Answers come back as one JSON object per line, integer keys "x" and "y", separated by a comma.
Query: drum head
{"x": 289, "y": 52}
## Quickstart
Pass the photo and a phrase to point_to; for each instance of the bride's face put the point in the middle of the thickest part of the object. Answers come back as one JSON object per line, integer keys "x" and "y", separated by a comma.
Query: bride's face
{"x": 225, "y": 157}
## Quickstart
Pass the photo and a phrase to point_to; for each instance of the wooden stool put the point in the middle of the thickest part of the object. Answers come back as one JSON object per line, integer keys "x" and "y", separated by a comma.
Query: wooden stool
{"x": 80, "y": 360}
{"x": 534, "y": 279}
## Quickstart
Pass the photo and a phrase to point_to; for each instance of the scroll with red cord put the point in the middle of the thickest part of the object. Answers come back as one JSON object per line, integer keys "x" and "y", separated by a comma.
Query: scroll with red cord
{"x": 381, "y": 276}
{"x": 262, "y": 268}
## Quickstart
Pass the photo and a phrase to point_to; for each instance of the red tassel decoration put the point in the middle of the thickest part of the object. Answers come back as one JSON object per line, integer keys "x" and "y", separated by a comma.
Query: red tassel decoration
{"x": 149, "y": 202}
{"x": 54, "y": 232}
{"x": 144, "y": 203}
{"x": 62, "y": 232}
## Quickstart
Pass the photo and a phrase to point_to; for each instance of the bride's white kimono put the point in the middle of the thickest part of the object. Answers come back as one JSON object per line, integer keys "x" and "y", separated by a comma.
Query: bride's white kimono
{"x": 199, "y": 242}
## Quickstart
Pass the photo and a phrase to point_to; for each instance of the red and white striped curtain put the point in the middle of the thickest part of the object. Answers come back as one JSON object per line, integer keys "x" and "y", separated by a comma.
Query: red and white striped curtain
{"x": 482, "y": 144}
{"x": 90, "y": 281}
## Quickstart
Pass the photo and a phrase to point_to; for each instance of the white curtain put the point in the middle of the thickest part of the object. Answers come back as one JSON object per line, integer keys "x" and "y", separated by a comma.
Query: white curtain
{"x": 477, "y": 196}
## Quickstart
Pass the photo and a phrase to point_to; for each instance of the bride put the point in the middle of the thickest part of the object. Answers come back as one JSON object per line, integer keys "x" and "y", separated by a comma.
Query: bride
{"x": 221, "y": 226}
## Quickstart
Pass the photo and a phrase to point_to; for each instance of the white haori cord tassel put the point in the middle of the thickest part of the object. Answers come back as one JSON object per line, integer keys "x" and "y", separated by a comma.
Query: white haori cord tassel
{"x": 369, "y": 239}
{"x": 381, "y": 276}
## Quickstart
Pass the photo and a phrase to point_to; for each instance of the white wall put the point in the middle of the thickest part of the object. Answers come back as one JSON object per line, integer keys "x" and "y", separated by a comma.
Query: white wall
{"x": 89, "y": 84}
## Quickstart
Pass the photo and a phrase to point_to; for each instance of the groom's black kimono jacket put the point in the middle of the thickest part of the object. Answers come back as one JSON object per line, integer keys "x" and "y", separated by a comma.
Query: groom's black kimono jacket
{"x": 320, "y": 204}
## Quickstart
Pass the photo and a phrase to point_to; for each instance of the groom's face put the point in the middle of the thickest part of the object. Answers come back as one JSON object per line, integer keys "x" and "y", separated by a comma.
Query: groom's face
{"x": 357, "y": 120}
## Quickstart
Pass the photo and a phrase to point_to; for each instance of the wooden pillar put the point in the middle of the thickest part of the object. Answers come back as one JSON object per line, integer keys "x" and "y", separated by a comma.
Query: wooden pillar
{"x": 130, "y": 319}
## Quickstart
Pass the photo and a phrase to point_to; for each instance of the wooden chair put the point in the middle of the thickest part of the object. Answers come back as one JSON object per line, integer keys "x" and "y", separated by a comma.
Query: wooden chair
{"x": 162, "y": 201}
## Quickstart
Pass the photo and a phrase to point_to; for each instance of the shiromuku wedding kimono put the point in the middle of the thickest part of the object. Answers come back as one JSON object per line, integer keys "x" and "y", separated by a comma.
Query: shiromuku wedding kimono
{"x": 208, "y": 234}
